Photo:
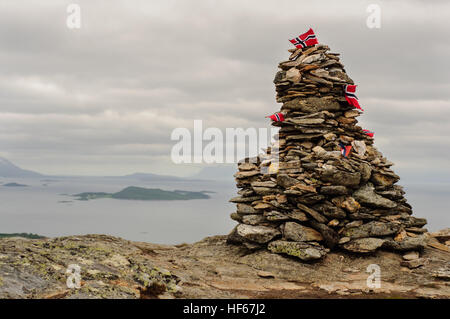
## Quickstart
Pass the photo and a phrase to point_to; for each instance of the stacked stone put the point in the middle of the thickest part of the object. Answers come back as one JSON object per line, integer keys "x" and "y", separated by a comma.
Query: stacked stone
{"x": 314, "y": 199}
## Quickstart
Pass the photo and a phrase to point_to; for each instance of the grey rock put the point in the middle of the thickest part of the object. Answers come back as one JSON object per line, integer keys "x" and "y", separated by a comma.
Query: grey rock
{"x": 246, "y": 166}
{"x": 383, "y": 180}
{"x": 409, "y": 243}
{"x": 263, "y": 190}
{"x": 344, "y": 240}
{"x": 442, "y": 235}
{"x": 366, "y": 195}
{"x": 275, "y": 216}
{"x": 285, "y": 181}
{"x": 307, "y": 121}
{"x": 310, "y": 199}
{"x": 244, "y": 209}
{"x": 296, "y": 232}
{"x": 338, "y": 177}
{"x": 366, "y": 172}
{"x": 410, "y": 221}
{"x": 415, "y": 263}
{"x": 264, "y": 184}
{"x": 329, "y": 210}
{"x": 371, "y": 229}
{"x": 363, "y": 245}
{"x": 242, "y": 199}
{"x": 312, "y": 213}
{"x": 246, "y": 174}
{"x": 279, "y": 76}
{"x": 236, "y": 217}
{"x": 331, "y": 238}
{"x": 297, "y": 215}
{"x": 312, "y": 105}
{"x": 304, "y": 251}
{"x": 411, "y": 255}
{"x": 258, "y": 234}
{"x": 234, "y": 238}
{"x": 355, "y": 223}
{"x": 252, "y": 245}
{"x": 395, "y": 193}
{"x": 309, "y": 166}
{"x": 442, "y": 273}
{"x": 334, "y": 190}
{"x": 253, "y": 219}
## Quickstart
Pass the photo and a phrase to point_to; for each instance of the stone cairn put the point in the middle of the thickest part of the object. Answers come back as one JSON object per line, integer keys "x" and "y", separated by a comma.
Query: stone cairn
{"x": 315, "y": 199}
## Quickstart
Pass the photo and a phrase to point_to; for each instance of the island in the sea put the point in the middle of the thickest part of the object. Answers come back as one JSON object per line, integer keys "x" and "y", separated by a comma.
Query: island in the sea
{"x": 140, "y": 193}
{"x": 14, "y": 185}
{"x": 23, "y": 235}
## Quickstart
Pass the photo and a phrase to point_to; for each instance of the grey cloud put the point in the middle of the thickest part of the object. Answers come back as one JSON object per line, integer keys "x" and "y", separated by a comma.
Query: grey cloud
{"x": 116, "y": 88}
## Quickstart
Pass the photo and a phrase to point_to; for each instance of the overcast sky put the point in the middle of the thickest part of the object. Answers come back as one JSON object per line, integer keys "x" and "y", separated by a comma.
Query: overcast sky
{"x": 105, "y": 98}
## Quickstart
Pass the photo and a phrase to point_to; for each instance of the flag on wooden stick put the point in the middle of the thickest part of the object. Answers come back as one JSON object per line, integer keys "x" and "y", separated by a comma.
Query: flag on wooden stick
{"x": 345, "y": 149}
{"x": 277, "y": 117}
{"x": 350, "y": 96}
{"x": 305, "y": 40}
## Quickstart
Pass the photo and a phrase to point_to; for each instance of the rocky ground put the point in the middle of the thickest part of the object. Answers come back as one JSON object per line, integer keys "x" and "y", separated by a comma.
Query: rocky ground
{"x": 112, "y": 267}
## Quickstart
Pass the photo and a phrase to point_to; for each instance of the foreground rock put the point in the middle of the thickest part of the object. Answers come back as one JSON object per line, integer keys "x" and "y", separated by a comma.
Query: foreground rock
{"x": 115, "y": 268}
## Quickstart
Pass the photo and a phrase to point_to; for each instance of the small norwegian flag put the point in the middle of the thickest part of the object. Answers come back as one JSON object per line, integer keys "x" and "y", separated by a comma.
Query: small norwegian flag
{"x": 277, "y": 117}
{"x": 305, "y": 40}
{"x": 368, "y": 133}
{"x": 345, "y": 149}
{"x": 351, "y": 97}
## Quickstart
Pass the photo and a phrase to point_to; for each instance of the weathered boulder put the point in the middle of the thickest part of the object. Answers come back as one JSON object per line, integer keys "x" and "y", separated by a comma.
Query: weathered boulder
{"x": 312, "y": 105}
{"x": 296, "y": 232}
{"x": 334, "y": 190}
{"x": 245, "y": 174}
{"x": 285, "y": 181}
{"x": 442, "y": 235}
{"x": 366, "y": 195}
{"x": 371, "y": 229}
{"x": 243, "y": 199}
{"x": 363, "y": 245}
{"x": 339, "y": 177}
{"x": 366, "y": 172}
{"x": 411, "y": 255}
{"x": 330, "y": 236}
{"x": 244, "y": 209}
{"x": 258, "y": 234}
{"x": 415, "y": 263}
{"x": 312, "y": 213}
{"x": 409, "y": 243}
{"x": 304, "y": 251}
{"x": 383, "y": 180}
{"x": 275, "y": 216}
{"x": 263, "y": 190}
{"x": 293, "y": 75}
{"x": 350, "y": 204}
{"x": 329, "y": 210}
{"x": 253, "y": 219}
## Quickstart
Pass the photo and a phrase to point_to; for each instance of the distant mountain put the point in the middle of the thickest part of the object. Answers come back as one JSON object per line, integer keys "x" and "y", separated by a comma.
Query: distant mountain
{"x": 223, "y": 173}
{"x": 218, "y": 172}
{"x": 8, "y": 169}
{"x": 14, "y": 185}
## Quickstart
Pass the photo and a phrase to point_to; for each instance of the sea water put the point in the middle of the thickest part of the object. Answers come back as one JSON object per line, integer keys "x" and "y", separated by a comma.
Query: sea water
{"x": 45, "y": 207}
